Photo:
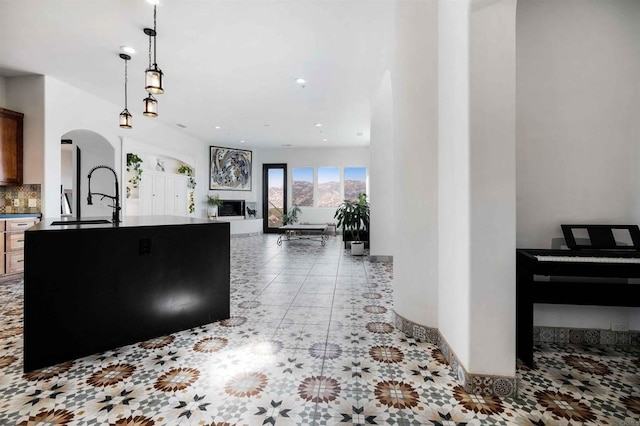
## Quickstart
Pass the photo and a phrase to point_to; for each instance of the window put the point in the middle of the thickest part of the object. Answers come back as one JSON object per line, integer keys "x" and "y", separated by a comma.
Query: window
{"x": 302, "y": 190}
{"x": 328, "y": 187}
{"x": 355, "y": 182}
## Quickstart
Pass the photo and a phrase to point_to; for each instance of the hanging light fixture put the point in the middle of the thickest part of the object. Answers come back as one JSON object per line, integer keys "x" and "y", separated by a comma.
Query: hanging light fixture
{"x": 153, "y": 75}
{"x": 125, "y": 116}
{"x": 150, "y": 106}
{"x": 150, "y": 103}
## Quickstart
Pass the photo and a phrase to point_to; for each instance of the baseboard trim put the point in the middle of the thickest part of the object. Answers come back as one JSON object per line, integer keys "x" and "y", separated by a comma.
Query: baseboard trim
{"x": 585, "y": 336}
{"x": 250, "y": 234}
{"x": 379, "y": 258}
{"x": 478, "y": 384}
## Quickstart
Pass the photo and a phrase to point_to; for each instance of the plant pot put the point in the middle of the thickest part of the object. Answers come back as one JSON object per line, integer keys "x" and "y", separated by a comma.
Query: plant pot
{"x": 347, "y": 238}
{"x": 357, "y": 248}
{"x": 212, "y": 212}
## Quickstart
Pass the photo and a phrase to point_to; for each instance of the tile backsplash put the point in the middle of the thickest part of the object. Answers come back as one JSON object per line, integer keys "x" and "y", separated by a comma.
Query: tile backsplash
{"x": 20, "y": 199}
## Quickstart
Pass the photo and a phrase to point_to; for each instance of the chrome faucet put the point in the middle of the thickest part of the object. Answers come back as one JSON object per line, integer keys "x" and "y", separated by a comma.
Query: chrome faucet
{"x": 116, "y": 198}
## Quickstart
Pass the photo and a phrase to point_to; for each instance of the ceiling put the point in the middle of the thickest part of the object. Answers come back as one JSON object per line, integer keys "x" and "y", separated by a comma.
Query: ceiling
{"x": 227, "y": 63}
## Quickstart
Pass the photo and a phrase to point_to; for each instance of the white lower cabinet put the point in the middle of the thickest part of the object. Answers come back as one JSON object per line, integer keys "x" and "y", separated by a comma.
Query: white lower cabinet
{"x": 163, "y": 194}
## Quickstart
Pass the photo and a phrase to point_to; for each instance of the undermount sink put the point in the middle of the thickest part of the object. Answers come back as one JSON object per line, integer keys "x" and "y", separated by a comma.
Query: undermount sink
{"x": 80, "y": 222}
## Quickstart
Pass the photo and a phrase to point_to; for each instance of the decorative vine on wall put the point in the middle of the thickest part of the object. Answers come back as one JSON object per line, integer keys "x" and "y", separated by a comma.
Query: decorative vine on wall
{"x": 188, "y": 171}
{"x": 134, "y": 164}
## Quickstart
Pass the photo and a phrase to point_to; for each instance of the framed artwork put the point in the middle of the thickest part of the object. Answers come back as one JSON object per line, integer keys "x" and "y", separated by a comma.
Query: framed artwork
{"x": 252, "y": 209}
{"x": 229, "y": 169}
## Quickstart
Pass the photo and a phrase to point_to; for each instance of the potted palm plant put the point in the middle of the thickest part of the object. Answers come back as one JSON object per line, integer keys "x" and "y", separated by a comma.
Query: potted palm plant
{"x": 353, "y": 217}
{"x": 213, "y": 203}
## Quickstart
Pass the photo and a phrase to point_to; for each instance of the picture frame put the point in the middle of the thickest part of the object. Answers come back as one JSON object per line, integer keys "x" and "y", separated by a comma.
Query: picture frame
{"x": 251, "y": 209}
{"x": 230, "y": 169}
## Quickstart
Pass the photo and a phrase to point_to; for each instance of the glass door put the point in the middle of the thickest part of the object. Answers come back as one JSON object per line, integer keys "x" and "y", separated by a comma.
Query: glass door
{"x": 274, "y": 196}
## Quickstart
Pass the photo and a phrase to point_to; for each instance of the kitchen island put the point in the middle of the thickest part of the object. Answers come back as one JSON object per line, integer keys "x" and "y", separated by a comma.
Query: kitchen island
{"x": 90, "y": 287}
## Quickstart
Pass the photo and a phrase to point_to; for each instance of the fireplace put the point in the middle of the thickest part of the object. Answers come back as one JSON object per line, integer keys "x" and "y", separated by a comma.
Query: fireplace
{"x": 231, "y": 208}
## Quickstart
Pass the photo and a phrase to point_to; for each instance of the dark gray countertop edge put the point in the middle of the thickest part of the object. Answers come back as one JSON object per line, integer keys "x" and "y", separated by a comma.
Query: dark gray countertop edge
{"x": 127, "y": 222}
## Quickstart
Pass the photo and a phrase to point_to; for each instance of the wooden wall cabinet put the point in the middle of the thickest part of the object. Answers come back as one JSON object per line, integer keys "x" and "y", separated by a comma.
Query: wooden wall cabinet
{"x": 10, "y": 147}
{"x": 13, "y": 243}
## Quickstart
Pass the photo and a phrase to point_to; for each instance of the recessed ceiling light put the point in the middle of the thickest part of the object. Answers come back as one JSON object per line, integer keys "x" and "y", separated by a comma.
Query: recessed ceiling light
{"x": 324, "y": 140}
{"x": 181, "y": 126}
{"x": 301, "y": 80}
{"x": 241, "y": 141}
{"x": 318, "y": 124}
{"x": 128, "y": 49}
{"x": 217, "y": 127}
{"x": 266, "y": 125}
{"x": 154, "y": 2}
{"x": 359, "y": 134}
{"x": 286, "y": 144}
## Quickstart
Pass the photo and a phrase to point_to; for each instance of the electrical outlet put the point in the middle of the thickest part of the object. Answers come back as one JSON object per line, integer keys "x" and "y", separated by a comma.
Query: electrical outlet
{"x": 16, "y": 203}
{"x": 619, "y": 326}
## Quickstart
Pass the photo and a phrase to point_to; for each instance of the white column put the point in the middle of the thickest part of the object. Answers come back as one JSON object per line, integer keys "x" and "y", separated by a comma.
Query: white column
{"x": 415, "y": 188}
{"x": 381, "y": 147}
{"x": 477, "y": 183}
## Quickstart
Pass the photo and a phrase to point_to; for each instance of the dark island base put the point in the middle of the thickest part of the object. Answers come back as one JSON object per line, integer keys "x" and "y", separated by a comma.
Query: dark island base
{"x": 88, "y": 290}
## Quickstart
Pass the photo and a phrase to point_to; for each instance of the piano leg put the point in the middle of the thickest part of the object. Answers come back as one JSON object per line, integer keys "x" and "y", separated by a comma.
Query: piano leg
{"x": 524, "y": 311}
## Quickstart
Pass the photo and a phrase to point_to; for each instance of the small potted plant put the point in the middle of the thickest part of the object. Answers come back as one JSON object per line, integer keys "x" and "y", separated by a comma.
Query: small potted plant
{"x": 213, "y": 203}
{"x": 291, "y": 217}
{"x": 353, "y": 217}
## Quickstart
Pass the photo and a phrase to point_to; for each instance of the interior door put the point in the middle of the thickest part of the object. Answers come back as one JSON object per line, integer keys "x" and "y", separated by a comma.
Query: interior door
{"x": 158, "y": 194}
{"x": 274, "y": 196}
{"x": 170, "y": 195}
{"x": 180, "y": 191}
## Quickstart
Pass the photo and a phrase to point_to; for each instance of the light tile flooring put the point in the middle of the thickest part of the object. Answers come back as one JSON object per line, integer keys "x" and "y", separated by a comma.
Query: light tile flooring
{"x": 310, "y": 341}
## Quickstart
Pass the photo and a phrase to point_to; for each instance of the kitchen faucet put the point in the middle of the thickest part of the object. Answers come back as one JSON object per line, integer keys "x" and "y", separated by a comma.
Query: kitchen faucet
{"x": 116, "y": 198}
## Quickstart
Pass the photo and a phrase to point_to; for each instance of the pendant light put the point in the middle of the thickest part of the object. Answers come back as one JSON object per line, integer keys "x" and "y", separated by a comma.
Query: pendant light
{"x": 125, "y": 116}
{"x": 150, "y": 103}
{"x": 153, "y": 75}
{"x": 150, "y": 106}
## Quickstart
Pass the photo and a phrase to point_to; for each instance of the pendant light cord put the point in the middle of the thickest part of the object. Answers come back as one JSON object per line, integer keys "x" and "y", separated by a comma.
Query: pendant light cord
{"x": 126, "y": 79}
{"x": 155, "y": 35}
{"x": 149, "y": 51}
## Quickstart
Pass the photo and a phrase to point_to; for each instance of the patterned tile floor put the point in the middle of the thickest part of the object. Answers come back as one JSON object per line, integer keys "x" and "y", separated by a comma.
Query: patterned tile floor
{"x": 310, "y": 341}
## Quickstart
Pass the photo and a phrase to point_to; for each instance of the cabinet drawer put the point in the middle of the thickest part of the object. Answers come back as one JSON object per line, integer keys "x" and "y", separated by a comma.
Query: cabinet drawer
{"x": 20, "y": 225}
{"x": 15, "y": 262}
{"x": 15, "y": 241}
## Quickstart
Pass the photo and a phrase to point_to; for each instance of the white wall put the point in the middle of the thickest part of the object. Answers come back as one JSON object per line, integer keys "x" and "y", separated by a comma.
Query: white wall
{"x": 26, "y": 95}
{"x": 492, "y": 152}
{"x": 415, "y": 162}
{"x": 453, "y": 176}
{"x": 477, "y": 183}
{"x": 578, "y": 129}
{"x": 3, "y": 92}
{"x": 66, "y": 110}
{"x": 311, "y": 157}
{"x": 381, "y": 148}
